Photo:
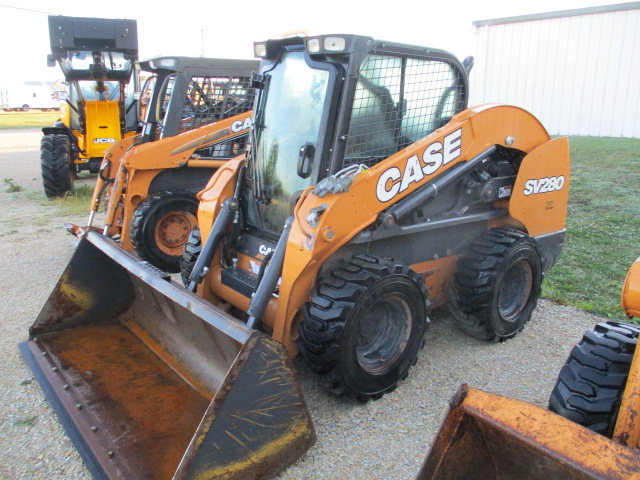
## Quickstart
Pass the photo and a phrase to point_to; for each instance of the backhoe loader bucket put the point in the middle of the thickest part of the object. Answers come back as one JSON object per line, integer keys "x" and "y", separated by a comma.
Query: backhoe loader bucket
{"x": 152, "y": 382}
{"x": 489, "y": 436}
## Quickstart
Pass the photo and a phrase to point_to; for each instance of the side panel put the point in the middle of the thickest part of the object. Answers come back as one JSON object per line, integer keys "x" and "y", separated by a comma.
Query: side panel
{"x": 541, "y": 192}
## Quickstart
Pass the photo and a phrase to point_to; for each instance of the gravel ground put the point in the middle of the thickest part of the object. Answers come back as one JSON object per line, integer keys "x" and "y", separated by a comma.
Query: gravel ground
{"x": 386, "y": 439}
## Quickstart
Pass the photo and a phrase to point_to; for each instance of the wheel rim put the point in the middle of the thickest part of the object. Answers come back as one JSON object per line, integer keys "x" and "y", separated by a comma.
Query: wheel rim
{"x": 172, "y": 231}
{"x": 515, "y": 290}
{"x": 382, "y": 335}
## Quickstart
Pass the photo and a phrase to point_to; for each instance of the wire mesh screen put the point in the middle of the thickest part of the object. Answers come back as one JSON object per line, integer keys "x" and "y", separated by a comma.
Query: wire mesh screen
{"x": 210, "y": 99}
{"x": 397, "y": 102}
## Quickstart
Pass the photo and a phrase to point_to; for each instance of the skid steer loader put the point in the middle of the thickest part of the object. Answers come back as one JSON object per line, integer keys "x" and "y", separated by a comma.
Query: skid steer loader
{"x": 372, "y": 194}
{"x": 593, "y": 434}
{"x": 370, "y": 191}
{"x": 97, "y": 57}
{"x": 151, "y": 180}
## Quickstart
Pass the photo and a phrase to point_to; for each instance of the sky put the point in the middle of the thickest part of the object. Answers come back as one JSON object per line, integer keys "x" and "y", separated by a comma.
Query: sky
{"x": 205, "y": 29}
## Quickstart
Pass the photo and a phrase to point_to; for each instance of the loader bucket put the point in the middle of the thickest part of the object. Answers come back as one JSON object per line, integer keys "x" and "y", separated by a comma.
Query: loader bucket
{"x": 152, "y": 382}
{"x": 489, "y": 436}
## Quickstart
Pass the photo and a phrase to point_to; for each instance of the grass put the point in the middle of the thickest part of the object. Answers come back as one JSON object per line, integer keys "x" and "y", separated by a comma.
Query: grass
{"x": 27, "y": 119}
{"x": 41, "y": 221}
{"x": 603, "y": 226}
{"x": 75, "y": 203}
{"x": 26, "y": 422}
{"x": 11, "y": 187}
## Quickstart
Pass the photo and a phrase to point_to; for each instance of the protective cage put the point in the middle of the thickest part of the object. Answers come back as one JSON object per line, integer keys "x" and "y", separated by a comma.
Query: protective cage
{"x": 152, "y": 382}
{"x": 210, "y": 99}
{"x": 399, "y": 100}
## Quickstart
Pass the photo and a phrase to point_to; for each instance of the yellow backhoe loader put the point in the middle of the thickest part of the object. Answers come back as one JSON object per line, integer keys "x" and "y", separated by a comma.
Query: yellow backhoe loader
{"x": 97, "y": 57}
{"x": 370, "y": 194}
{"x": 594, "y": 434}
{"x": 151, "y": 180}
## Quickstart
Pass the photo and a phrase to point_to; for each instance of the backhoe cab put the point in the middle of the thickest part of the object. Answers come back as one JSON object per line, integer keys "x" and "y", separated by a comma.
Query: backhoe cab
{"x": 97, "y": 57}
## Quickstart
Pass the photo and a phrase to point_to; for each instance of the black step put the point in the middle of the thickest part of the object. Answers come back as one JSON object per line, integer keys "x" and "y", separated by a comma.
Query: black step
{"x": 239, "y": 280}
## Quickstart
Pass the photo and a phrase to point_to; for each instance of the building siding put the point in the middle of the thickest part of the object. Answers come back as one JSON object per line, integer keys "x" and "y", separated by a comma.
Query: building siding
{"x": 579, "y": 74}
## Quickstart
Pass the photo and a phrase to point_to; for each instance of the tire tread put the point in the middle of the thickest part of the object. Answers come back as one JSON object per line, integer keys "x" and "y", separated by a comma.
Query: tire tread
{"x": 54, "y": 162}
{"x": 590, "y": 385}
{"x": 141, "y": 234}
{"x": 324, "y": 318}
{"x": 473, "y": 283}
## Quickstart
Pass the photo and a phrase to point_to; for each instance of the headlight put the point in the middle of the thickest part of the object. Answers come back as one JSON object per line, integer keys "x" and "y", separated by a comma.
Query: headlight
{"x": 260, "y": 49}
{"x": 334, "y": 44}
{"x": 163, "y": 63}
{"x": 313, "y": 45}
{"x": 326, "y": 44}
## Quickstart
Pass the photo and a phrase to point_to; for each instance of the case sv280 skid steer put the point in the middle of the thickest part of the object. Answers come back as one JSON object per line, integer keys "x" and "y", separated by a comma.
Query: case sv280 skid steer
{"x": 370, "y": 194}
{"x": 151, "y": 180}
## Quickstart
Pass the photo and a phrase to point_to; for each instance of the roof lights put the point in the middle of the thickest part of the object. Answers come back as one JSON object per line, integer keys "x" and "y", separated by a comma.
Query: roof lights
{"x": 313, "y": 45}
{"x": 260, "y": 49}
{"x": 163, "y": 63}
{"x": 334, "y": 44}
{"x": 330, "y": 44}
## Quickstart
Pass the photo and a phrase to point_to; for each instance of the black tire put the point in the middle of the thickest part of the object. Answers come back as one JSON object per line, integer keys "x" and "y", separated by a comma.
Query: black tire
{"x": 55, "y": 162}
{"x": 497, "y": 285}
{"x": 590, "y": 385}
{"x": 190, "y": 255}
{"x": 25, "y": 108}
{"x": 160, "y": 228}
{"x": 364, "y": 325}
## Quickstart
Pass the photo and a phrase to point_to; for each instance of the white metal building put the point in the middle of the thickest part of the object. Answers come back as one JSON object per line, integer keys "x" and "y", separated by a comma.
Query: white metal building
{"x": 578, "y": 70}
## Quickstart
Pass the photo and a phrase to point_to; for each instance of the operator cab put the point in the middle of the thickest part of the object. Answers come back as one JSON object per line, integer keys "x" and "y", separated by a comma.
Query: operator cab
{"x": 329, "y": 102}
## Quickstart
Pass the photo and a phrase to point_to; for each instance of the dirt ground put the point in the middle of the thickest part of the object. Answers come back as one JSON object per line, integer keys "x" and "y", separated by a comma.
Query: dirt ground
{"x": 384, "y": 439}
{"x": 34, "y": 248}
